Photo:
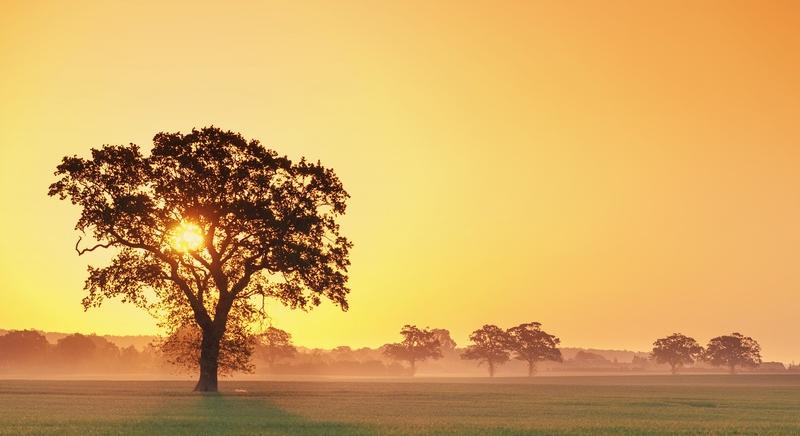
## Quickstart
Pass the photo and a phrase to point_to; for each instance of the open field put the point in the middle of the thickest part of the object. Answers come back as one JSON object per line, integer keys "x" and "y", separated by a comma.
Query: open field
{"x": 589, "y": 405}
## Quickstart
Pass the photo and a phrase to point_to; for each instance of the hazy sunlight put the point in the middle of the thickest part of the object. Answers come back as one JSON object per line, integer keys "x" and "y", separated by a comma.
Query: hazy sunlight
{"x": 186, "y": 237}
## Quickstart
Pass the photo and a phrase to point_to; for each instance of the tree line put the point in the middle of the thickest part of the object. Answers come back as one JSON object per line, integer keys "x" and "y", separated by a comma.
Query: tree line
{"x": 527, "y": 342}
{"x": 29, "y": 350}
{"x": 207, "y": 225}
{"x": 729, "y": 351}
{"x": 274, "y": 352}
{"x": 490, "y": 345}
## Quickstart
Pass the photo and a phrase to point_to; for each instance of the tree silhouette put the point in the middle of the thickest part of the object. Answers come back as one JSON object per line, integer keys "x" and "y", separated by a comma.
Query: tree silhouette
{"x": 532, "y": 344}
{"x": 22, "y": 348}
{"x": 733, "y": 350}
{"x": 106, "y": 354}
{"x": 589, "y": 358}
{"x": 276, "y": 344}
{"x": 207, "y": 224}
{"x": 417, "y": 345}
{"x": 75, "y": 350}
{"x": 676, "y": 350}
{"x": 490, "y": 344}
{"x": 446, "y": 342}
{"x": 130, "y": 358}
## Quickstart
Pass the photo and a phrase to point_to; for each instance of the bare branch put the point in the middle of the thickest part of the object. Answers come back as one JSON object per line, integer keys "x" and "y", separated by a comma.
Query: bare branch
{"x": 84, "y": 250}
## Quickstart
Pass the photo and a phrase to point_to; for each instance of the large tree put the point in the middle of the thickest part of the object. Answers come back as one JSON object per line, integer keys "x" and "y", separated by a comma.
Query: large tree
{"x": 490, "y": 344}
{"x": 206, "y": 225}
{"x": 531, "y": 344}
{"x": 676, "y": 350}
{"x": 733, "y": 350}
{"x": 417, "y": 345}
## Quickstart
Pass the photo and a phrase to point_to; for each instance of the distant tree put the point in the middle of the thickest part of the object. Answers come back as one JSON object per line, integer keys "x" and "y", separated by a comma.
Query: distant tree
{"x": 75, "y": 350}
{"x": 365, "y": 354}
{"x": 772, "y": 366}
{"x": 676, "y": 350}
{"x": 106, "y": 353}
{"x": 446, "y": 343}
{"x": 342, "y": 352}
{"x": 206, "y": 222}
{"x": 22, "y": 348}
{"x": 490, "y": 344}
{"x": 130, "y": 358}
{"x": 531, "y": 344}
{"x": 152, "y": 357}
{"x": 733, "y": 350}
{"x": 640, "y": 362}
{"x": 589, "y": 357}
{"x": 417, "y": 345}
{"x": 274, "y": 345}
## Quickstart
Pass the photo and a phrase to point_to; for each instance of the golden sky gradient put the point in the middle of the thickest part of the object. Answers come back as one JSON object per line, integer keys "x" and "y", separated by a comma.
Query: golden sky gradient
{"x": 615, "y": 170}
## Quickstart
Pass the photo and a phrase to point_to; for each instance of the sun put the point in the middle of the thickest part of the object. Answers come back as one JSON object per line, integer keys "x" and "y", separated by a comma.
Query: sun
{"x": 186, "y": 237}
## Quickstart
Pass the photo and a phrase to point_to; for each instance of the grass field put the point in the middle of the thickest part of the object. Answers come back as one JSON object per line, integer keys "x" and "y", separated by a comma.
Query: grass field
{"x": 743, "y": 404}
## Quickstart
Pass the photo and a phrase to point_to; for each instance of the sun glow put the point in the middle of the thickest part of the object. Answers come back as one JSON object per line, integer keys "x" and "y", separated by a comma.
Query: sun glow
{"x": 186, "y": 237}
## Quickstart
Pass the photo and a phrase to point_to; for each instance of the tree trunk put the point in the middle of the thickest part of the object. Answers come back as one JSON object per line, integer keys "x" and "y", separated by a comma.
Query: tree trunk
{"x": 491, "y": 369}
{"x": 209, "y": 362}
{"x": 673, "y": 368}
{"x": 413, "y": 367}
{"x": 733, "y": 369}
{"x": 531, "y": 368}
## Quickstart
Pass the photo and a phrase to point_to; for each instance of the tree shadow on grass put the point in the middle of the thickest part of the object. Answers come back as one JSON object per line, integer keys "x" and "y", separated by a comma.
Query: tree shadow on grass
{"x": 228, "y": 414}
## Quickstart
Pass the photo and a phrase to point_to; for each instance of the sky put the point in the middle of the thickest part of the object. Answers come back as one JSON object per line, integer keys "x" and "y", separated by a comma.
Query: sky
{"x": 616, "y": 170}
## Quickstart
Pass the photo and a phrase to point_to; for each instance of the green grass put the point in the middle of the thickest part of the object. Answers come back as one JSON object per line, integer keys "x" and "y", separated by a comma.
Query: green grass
{"x": 711, "y": 404}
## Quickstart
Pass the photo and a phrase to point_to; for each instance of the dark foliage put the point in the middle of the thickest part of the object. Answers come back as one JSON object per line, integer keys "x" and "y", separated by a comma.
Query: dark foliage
{"x": 676, "y": 350}
{"x": 22, "y": 347}
{"x": 733, "y": 350}
{"x": 490, "y": 344}
{"x": 417, "y": 345}
{"x": 265, "y": 228}
{"x": 531, "y": 344}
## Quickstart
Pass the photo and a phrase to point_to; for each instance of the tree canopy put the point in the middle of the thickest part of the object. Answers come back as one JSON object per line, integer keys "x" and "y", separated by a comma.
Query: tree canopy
{"x": 417, "y": 345}
{"x": 275, "y": 344}
{"x": 446, "y": 342}
{"x": 490, "y": 344}
{"x": 733, "y": 350}
{"x": 204, "y": 226}
{"x": 676, "y": 350}
{"x": 22, "y": 347}
{"x": 531, "y": 344}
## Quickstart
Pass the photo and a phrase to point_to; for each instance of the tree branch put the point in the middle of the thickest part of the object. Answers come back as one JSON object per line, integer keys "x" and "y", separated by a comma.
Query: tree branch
{"x": 201, "y": 315}
{"x": 84, "y": 250}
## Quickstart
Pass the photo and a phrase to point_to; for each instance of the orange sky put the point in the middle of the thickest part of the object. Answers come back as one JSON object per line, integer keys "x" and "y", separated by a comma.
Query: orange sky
{"x": 615, "y": 170}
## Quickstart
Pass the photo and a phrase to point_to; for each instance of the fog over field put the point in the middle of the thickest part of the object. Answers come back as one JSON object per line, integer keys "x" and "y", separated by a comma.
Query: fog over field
{"x": 399, "y": 217}
{"x": 47, "y": 355}
{"x": 708, "y": 404}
